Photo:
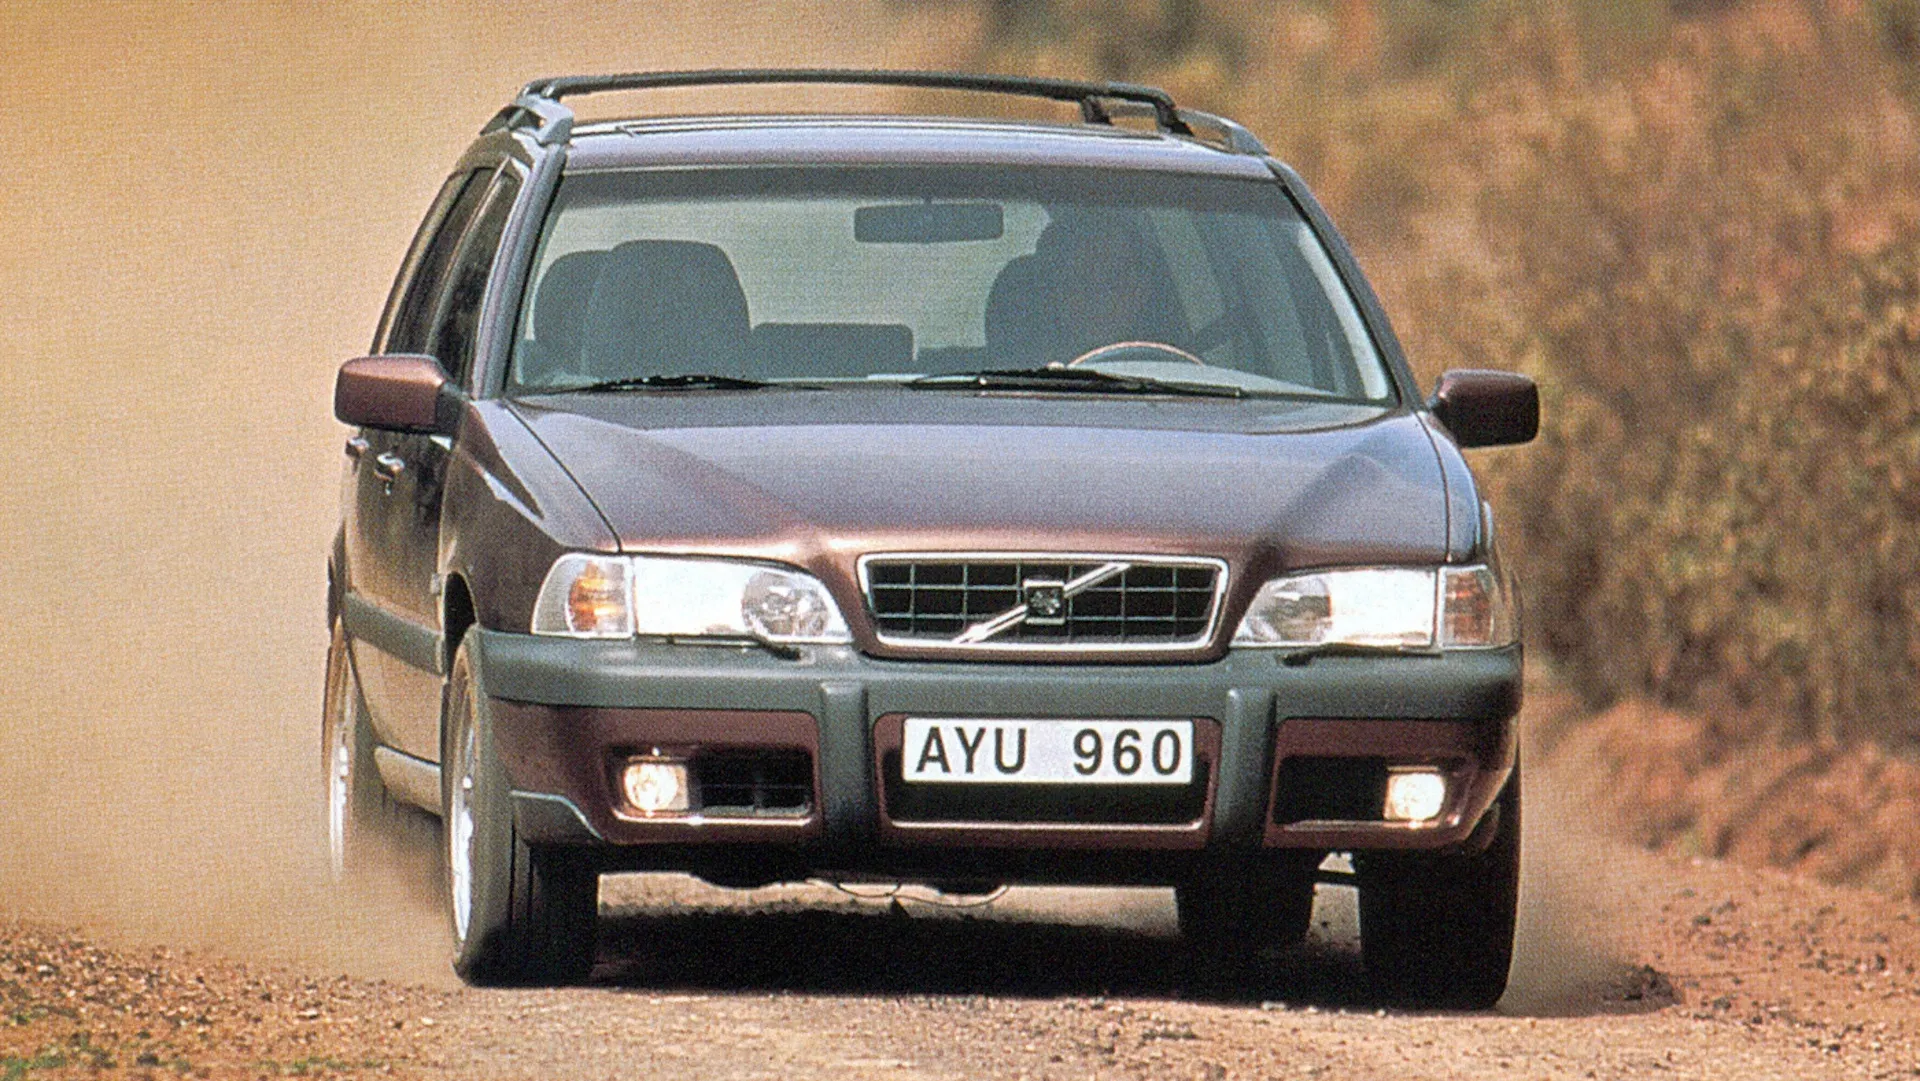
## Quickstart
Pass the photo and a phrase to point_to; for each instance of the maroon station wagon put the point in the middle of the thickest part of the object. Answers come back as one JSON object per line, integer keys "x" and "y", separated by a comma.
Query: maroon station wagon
{"x": 952, "y": 501}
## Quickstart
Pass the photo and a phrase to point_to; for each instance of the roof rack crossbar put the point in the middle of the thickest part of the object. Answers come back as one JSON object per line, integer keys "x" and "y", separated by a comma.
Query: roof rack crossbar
{"x": 542, "y": 96}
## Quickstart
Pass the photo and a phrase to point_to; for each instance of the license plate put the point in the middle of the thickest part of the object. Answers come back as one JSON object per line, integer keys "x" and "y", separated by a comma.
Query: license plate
{"x": 950, "y": 751}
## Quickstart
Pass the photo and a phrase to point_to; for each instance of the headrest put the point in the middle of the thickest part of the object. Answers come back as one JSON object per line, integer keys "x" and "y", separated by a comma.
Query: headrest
{"x": 560, "y": 307}
{"x": 1084, "y": 231}
{"x": 1023, "y": 325}
{"x": 832, "y": 350}
{"x": 665, "y": 306}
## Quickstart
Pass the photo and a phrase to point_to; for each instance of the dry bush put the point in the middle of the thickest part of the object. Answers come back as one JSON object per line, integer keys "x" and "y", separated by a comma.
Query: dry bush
{"x": 1692, "y": 223}
{"x": 1700, "y": 262}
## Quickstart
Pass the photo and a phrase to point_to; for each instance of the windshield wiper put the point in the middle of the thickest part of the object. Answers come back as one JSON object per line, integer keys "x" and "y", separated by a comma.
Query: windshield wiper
{"x": 681, "y": 381}
{"x": 1069, "y": 379}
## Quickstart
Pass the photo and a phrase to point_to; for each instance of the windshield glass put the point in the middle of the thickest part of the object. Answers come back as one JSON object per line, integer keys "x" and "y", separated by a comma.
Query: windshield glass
{"x": 834, "y": 276}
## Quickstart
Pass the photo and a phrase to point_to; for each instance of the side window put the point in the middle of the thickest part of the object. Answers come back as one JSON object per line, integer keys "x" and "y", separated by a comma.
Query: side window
{"x": 459, "y": 321}
{"x": 429, "y": 229}
{"x": 412, "y": 321}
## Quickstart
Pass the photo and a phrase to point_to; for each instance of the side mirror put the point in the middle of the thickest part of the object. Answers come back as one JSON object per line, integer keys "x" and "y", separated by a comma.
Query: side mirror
{"x": 1487, "y": 408}
{"x": 402, "y": 392}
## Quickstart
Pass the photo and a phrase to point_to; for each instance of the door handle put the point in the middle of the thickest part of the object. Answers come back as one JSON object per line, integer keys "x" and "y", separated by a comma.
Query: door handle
{"x": 388, "y": 468}
{"x": 356, "y": 447}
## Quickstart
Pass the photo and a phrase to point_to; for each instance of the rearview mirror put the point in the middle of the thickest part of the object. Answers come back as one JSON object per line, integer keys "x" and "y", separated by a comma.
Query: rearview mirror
{"x": 928, "y": 223}
{"x": 1487, "y": 408}
{"x": 402, "y": 392}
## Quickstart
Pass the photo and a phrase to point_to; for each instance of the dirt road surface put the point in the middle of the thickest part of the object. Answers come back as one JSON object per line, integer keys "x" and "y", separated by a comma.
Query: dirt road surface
{"x": 1630, "y": 965}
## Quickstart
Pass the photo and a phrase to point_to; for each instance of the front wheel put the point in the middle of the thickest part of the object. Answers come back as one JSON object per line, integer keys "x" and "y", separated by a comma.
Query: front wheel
{"x": 521, "y": 914}
{"x": 1436, "y": 930}
{"x": 1235, "y": 912}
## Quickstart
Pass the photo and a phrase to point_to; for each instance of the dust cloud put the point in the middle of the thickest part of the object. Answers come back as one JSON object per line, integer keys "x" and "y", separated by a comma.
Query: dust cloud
{"x": 1571, "y": 953}
{"x": 204, "y": 205}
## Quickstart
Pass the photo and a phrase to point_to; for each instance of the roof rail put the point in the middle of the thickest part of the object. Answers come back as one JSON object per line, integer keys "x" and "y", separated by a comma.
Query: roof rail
{"x": 1227, "y": 134}
{"x": 551, "y": 121}
{"x": 539, "y": 103}
{"x": 1233, "y": 134}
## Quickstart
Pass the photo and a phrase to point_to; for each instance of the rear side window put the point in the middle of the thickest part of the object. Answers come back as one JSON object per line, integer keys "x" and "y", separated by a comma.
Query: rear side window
{"x": 457, "y": 326}
{"x": 429, "y": 229}
{"x": 410, "y": 327}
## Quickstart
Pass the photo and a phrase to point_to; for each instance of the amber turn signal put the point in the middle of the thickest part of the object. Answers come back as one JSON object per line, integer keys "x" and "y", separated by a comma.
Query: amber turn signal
{"x": 586, "y": 596}
{"x": 596, "y": 600}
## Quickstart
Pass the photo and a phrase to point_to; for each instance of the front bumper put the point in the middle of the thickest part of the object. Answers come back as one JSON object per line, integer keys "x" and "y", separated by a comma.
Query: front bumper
{"x": 566, "y": 713}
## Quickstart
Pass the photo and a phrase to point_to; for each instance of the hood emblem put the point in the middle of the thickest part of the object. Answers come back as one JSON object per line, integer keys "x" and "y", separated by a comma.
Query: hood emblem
{"x": 1043, "y": 603}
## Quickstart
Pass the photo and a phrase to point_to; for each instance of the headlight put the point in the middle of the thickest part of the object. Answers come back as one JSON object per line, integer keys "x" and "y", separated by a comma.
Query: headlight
{"x": 696, "y": 597}
{"x": 1381, "y": 608}
{"x": 685, "y": 598}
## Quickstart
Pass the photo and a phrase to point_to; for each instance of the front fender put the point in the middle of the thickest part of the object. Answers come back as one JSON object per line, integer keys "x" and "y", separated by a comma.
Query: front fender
{"x": 508, "y": 511}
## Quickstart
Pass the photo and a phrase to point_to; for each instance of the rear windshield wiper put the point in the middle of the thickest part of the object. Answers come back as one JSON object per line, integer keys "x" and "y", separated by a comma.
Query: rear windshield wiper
{"x": 1069, "y": 379}
{"x": 681, "y": 381}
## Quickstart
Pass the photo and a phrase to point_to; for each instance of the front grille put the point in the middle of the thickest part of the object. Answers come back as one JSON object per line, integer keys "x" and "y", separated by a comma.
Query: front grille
{"x": 753, "y": 782}
{"x": 1122, "y": 601}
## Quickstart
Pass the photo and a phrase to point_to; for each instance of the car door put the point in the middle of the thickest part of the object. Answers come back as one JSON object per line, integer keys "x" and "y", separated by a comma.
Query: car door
{"x": 394, "y": 541}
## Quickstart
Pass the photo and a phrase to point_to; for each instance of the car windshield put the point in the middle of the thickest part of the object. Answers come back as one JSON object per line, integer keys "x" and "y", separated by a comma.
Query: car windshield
{"x": 885, "y": 275}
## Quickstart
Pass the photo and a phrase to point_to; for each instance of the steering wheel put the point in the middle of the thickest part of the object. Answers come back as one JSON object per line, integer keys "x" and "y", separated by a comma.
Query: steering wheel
{"x": 1092, "y": 356}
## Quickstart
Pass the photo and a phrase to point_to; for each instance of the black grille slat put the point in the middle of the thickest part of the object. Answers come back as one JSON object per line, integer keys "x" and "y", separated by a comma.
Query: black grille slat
{"x": 932, "y": 600}
{"x": 1330, "y": 790}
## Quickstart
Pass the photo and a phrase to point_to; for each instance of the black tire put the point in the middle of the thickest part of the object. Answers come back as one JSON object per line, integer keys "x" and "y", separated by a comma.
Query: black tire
{"x": 358, "y": 812}
{"x": 521, "y": 914}
{"x": 1436, "y": 930}
{"x": 1236, "y": 912}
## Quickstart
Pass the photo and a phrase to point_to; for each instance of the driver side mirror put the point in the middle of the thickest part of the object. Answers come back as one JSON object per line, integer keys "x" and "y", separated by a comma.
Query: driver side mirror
{"x": 1487, "y": 408}
{"x": 402, "y": 392}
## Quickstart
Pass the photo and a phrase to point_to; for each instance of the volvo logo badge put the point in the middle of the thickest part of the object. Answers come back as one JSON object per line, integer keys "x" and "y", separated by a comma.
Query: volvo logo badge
{"x": 1046, "y": 600}
{"x": 1043, "y": 603}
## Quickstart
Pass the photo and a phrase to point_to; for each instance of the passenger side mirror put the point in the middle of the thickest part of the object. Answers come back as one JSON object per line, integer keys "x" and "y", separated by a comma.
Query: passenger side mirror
{"x": 1487, "y": 408}
{"x": 402, "y": 392}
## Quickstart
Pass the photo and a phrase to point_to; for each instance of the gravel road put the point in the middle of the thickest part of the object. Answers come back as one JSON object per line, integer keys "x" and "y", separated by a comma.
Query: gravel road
{"x": 1631, "y": 965}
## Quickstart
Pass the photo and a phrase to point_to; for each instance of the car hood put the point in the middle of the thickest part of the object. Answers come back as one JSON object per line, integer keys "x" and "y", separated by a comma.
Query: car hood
{"x": 816, "y": 478}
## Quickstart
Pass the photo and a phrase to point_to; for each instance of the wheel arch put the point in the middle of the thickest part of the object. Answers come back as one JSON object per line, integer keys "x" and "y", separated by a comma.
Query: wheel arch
{"x": 457, "y": 613}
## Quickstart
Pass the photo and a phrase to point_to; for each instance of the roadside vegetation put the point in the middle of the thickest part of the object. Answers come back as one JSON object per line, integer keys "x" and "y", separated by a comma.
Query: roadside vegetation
{"x": 1697, "y": 224}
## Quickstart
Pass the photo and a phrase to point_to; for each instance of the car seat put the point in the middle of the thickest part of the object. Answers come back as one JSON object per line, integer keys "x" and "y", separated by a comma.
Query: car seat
{"x": 662, "y": 307}
{"x": 559, "y": 314}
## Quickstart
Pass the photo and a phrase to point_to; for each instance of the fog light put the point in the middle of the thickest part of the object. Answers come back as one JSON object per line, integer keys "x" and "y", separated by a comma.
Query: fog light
{"x": 1415, "y": 795}
{"x": 656, "y": 787}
